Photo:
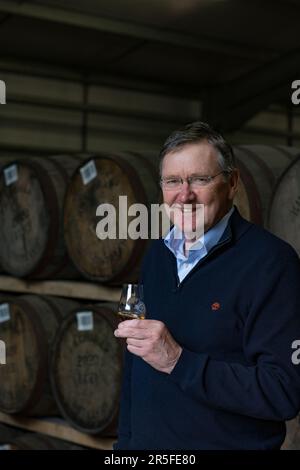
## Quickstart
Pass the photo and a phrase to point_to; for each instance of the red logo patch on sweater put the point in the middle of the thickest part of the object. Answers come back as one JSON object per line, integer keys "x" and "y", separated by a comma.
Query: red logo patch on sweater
{"x": 215, "y": 306}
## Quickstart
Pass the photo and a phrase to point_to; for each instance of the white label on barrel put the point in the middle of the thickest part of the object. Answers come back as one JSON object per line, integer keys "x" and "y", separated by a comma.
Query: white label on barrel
{"x": 11, "y": 174}
{"x": 88, "y": 172}
{"x": 85, "y": 321}
{"x": 4, "y": 313}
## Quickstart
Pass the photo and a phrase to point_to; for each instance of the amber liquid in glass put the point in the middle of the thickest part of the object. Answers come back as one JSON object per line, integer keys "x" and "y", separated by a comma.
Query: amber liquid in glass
{"x": 130, "y": 316}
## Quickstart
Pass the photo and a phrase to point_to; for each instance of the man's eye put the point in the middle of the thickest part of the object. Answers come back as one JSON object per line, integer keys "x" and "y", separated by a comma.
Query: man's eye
{"x": 199, "y": 179}
{"x": 172, "y": 182}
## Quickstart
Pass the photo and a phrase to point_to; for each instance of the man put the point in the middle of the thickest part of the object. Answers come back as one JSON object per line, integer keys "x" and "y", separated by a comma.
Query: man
{"x": 211, "y": 366}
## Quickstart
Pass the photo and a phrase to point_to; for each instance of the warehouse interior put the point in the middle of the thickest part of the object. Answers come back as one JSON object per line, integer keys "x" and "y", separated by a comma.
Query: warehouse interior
{"x": 87, "y": 79}
{"x": 81, "y": 62}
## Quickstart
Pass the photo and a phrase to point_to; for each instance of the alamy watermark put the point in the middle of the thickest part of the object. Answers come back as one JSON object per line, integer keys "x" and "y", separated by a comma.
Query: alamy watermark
{"x": 2, "y": 92}
{"x": 296, "y": 354}
{"x": 2, "y": 352}
{"x": 145, "y": 224}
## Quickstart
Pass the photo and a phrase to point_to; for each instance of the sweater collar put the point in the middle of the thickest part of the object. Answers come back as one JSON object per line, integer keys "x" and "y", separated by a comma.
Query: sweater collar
{"x": 234, "y": 230}
{"x": 236, "y": 227}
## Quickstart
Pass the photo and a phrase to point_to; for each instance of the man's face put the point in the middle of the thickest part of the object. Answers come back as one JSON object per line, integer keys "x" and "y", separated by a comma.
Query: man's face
{"x": 198, "y": 159}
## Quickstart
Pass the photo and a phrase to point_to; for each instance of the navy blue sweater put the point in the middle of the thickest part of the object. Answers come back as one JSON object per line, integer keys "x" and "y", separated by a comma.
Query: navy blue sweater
{"x": 236, "y": 315}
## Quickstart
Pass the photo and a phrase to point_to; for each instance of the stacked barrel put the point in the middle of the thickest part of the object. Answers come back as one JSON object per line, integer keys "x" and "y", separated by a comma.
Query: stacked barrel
{"x": 284, "y": 209}
{"x": 101, "y": 180}
{"x": 270, "y": 190}
{"x": 86, "y": 369}
{"x": 28, "y": 326}
{"x": 32, "y": 192}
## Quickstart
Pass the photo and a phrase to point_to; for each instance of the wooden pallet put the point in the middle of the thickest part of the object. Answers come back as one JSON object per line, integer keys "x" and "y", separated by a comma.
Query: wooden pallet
{"x": 72, "y": 289}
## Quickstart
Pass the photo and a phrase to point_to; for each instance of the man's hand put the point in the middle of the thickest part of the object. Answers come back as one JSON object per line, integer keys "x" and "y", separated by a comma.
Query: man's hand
{"x": 152, "y": 341}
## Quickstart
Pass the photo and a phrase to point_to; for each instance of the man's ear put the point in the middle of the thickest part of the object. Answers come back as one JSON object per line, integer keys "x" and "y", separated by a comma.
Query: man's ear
{"x": 233, "y": 182}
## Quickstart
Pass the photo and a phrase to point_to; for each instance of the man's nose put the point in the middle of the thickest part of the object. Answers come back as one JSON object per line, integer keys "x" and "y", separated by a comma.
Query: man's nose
{"x": 186, "y": 193}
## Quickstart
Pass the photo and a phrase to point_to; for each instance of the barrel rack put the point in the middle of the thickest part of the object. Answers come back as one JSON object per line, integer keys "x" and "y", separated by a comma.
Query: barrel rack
{"x": 58, "y": 427}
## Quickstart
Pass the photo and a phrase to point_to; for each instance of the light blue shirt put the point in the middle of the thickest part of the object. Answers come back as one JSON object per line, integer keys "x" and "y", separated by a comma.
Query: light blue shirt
{"x": 200, "y": 248}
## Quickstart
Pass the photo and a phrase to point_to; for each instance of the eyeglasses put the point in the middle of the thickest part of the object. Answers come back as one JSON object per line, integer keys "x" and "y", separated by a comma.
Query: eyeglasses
{"x": 197, "y": 181}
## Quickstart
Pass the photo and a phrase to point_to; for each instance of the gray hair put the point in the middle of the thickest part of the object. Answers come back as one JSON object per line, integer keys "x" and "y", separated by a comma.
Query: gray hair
{"x": 196, "y": 132}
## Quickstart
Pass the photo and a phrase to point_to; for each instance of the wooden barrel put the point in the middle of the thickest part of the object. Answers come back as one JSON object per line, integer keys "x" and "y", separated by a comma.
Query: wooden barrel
{"x": 99, "y": 180}
{"x": 86, "y": 368}
{"x": 36, "y": 441}
{"x": 31, "y": 203}
{"x": 5, "y": 160}
{"x": 260, "y": 167}
{"x": 27, "y": 326}
{"x": 284, "y": 210}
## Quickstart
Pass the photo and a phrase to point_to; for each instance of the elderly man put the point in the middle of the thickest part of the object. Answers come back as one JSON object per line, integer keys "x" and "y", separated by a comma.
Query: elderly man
{"x": 211, "y": 366}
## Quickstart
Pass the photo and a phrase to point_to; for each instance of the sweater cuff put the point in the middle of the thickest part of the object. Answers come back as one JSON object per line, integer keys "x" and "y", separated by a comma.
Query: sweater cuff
{"x": 189, "y": 369}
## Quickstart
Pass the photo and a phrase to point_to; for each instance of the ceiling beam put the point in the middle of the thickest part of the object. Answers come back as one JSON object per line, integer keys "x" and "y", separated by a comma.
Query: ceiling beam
{"x": 134, "y": 30}
{"x": 229, "y": 106}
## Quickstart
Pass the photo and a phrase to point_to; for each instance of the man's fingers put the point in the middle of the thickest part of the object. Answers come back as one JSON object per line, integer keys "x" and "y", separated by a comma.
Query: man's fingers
{"x": 131, "y": 333}
{"x": 142, "y": 324}
{"x": 140, "y": 329}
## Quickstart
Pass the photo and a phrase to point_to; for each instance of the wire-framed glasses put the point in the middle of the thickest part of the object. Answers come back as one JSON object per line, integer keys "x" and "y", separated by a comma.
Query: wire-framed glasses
{"x": 195, "y": 181}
